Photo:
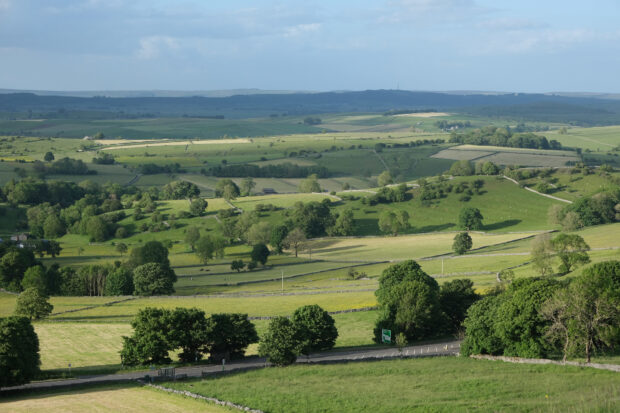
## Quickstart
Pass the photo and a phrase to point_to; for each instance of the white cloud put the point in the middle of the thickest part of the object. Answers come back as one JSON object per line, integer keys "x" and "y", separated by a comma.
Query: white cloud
{"x": 152, "y": 47}
{"x": 301, "y": 29}
{"x": 429, "y": 11}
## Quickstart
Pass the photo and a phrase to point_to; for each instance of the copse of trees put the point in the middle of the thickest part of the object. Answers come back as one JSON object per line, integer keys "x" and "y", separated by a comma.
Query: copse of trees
{"x": 180, "y": 190}
{"x": 600, "y": 208}
{"x": 510, "y": 323}
{"x": 498, "y": 136}
{"x": 310, "y": 329}
{"x": 157, "y": 332}
{"x": 543, "y": 317}
{"x": 64, "y": 166}
{"x": 310, "y": 184}
{"x": 227, "y": 188}
{"x": 313, "y": 218}
{"x": 412, "y": 303}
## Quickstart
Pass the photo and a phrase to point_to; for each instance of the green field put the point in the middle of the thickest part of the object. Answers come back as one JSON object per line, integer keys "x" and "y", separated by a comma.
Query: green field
{"x": 107, "y": 398}
{"x": 504, "y": 206}
{"x": 434, "y": 384}
{"x": 509, "y": 156}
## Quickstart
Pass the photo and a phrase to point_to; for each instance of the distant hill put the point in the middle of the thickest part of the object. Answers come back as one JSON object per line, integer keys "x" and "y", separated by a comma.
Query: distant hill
{"x": 581, "y": 110}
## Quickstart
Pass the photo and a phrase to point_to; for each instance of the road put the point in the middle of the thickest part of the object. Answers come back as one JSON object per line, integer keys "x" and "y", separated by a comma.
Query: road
{"x": 448, "y": 348}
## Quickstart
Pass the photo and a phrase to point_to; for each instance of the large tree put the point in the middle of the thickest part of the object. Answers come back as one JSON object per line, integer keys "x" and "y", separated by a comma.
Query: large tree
{"x": 470, "y": 219}
{"x": 229, "y": 335}
{"x": 280, "y": 343}
{"x": 260, "y": 253}
{"x": 150, "y": 342}
{"x": 462, "y": 243}
{"x": 33, "y": 304}
{"x": 208, "y": 247}
{"x": 153, "y": 279}
{"x": 278, "y": 236}
{"x": 295, "y": 240}
{"x": 571, "y": 249}
{"x": 541, "y": 254}
{"x": 393, "y": 222}
{"x": 19, "y": 351}
{"x": 409, "y": 302}
{"x": 192, "y": 235}
{"x": 316, "y": 329}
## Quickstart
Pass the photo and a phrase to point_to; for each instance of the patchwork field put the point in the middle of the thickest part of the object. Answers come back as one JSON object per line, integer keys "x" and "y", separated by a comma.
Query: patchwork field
{"x": 508, "y": 156}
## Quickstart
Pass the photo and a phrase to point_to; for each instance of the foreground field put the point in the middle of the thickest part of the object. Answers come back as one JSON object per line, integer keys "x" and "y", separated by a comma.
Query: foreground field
{"x": 109, "y": 399}
{"x": 446, "y": 384}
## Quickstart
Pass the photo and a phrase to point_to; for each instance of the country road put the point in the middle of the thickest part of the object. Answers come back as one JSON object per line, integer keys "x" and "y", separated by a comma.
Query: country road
{"x": 448, "y": 348}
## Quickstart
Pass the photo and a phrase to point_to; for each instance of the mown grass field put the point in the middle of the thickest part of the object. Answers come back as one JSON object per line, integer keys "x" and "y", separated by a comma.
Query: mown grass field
{"x": 110, "y": 398}
{"x": 433, "y": 384}
{"x": 256, "y": 306}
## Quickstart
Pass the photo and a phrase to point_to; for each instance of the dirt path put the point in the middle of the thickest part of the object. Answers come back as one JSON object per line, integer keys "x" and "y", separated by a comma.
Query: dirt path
{"x": 539, "y": 193}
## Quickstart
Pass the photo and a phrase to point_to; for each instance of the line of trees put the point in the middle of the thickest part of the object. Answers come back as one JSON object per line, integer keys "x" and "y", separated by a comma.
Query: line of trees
{"x": 158, "y": 331}
{"x": 498, "y": 136}
{"x": 547, "y": 317}
{"x": 283, "y": 170}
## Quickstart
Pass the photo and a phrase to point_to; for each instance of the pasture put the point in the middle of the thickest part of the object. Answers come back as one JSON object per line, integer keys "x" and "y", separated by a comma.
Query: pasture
{"x": 107, "y": 398}
{"x": 504, "y": 206}
{"x": 432, "y": 384}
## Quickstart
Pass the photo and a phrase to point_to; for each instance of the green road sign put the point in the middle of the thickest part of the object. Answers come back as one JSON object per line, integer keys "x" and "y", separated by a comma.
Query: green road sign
{"x": 386, "y": 336}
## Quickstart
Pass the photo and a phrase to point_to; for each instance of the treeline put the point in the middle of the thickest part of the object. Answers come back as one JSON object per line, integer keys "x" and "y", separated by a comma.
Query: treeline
{"x": 452, "y": 124}
{"x": 547, "y": 317}
{"x": 64, "y": 166}
{"x": 92, "y": 209}
{"x": 284, "y": 170}
{"x": 147, "y": 271}
{"x": 495, "y": 136}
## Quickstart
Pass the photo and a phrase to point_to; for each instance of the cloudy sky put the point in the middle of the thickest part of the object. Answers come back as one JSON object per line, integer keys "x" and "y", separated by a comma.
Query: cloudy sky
{"x": 500, "y": 45}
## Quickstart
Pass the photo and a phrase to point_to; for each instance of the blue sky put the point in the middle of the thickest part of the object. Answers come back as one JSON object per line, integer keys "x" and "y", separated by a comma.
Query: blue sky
{"x": 524, "y": 46}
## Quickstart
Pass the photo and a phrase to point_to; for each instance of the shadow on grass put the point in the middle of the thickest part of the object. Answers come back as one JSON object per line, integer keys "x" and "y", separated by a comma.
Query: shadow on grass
{"x": 502, "y": 224}
{"x": 435, "y": 228}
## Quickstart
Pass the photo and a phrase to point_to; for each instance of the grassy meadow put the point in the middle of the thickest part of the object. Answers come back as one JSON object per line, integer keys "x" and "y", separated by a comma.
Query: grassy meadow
{"x": 432, "y": 384}
{"x": 108, "y": 398}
